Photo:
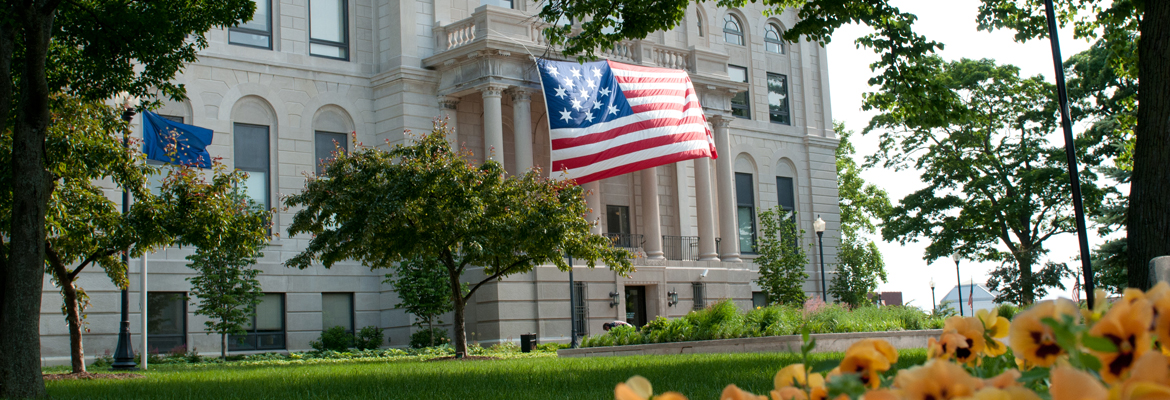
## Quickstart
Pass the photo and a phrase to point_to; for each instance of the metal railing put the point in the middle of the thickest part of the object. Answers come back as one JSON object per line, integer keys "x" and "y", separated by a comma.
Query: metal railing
{"x": 680, "y": 248}
{"x": 625, "y": 240}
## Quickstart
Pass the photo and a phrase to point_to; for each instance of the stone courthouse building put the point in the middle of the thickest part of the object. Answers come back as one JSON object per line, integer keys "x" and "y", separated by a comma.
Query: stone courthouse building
{"x": 278, "y": 90}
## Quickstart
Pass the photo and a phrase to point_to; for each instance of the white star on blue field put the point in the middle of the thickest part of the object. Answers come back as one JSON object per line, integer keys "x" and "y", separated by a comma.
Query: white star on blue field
{"x": 581, "y": 95}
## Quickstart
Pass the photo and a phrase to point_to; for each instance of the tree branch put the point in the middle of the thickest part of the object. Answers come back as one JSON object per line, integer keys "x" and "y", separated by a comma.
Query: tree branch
{"x": 498, "y": 274}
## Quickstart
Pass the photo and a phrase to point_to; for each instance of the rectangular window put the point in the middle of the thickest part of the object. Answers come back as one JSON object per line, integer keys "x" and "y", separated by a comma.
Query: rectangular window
{"x": 251, "y": 156}
{"x": 746, "y": 212}
{"x": 740, "y": 104}
{"x": 166, "y": 321}
{"x": 700, "y": 292}
{"x": 759, "y": 299}
{"x": 778, "y": 99}
{"x": 337, "y": 310}
{"x": 329, "y": 29}
{"x": 785, "y": 193}
{"x": 256, "y": 32}
{"x": 265, "y": 331}
{"x": 618, "y": 229}
{"x": 580, "y": 308}
{"x": 326, "y": 144}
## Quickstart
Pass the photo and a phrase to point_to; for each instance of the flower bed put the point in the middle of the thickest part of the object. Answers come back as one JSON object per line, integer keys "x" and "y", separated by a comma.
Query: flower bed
{"x": 1052, "y": 350}
{"x": 723, "y": 320}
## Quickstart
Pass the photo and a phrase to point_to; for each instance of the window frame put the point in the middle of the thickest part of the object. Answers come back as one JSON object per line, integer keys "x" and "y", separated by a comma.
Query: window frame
{"x": 778, "y": 42}
{"x": 352, "y": 311}
{"x": 151, "y": 337}
{"x": 787, "y": 112}
{"x": 699, "y": 21}
{"x": 343, "y": 45}
{"x": 699, "y": 295}
{"x": 750, "y": 204}
{"x": 236, "y": 343}
{"x": 317, "y": 135}
{"x": 250, "y": 31}
{"x": 268, "y": 165}
{"x": 732, "y": 19}
{"x": 746, "y": 107}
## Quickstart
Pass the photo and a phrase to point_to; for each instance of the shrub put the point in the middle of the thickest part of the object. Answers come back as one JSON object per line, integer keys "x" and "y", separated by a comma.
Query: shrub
{"x": 335, "y": 339}
{"x": 551, "y": 347}
{"x": 423, "y": 338}
{"x": 1007, "y": 310}
{"x": 368, "y": 338}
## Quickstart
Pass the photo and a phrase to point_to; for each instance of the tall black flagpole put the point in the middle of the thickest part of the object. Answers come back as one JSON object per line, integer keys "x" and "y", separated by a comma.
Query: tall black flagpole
{"x": 1070, "y": 151}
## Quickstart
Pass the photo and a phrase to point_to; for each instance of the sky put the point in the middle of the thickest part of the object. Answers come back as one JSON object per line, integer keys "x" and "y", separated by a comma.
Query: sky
{"x": 952, "y": 23}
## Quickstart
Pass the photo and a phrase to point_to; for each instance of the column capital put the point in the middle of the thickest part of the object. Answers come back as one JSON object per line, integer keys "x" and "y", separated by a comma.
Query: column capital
{"x": 492, "y": 90}
{"x": 720, "y": 121}
{"x": 520, "y": 93}
{"x": 448, "y": 102}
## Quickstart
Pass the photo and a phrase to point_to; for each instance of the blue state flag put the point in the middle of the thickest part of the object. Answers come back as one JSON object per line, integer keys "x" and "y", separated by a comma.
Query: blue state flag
{"x": 175, "y": 143}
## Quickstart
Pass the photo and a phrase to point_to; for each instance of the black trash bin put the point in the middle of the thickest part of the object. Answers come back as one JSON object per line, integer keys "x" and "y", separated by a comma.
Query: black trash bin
{"x": 527, "y": 342}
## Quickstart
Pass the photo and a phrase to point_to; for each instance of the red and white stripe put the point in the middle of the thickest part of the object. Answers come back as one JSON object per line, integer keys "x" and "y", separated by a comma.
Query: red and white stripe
{"x": 667, "y": 126}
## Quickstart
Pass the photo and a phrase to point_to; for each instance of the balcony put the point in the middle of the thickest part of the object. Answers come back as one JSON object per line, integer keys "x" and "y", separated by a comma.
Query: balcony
{"x": 625, "y": 240}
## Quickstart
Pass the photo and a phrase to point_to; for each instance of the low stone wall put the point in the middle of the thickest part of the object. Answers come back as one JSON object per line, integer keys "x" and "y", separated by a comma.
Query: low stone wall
{"x": 826, "y": 342}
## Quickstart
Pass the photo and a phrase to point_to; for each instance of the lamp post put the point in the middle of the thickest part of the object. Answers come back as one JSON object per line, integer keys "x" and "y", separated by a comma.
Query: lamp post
{"x": 819, "y": 227}
{"x": 572, "y": 308}
{"x": 933, "y": 302}
{"x": 124, "y": 354}
{"x": 958, "y": 279}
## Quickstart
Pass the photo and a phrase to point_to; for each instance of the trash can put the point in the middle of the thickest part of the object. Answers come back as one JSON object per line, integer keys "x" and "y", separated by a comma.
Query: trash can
{"x": 527, "y": 342}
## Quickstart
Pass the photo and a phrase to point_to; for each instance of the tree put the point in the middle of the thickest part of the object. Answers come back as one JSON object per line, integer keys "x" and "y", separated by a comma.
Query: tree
{"x": 423, "y": 290}
{"x": 424, "y": 200}
{"x": 860, "y": 264}
{"x": 89, "y": 49}
{"x": 996, "y": 189}
{"x": 781, "y": 259}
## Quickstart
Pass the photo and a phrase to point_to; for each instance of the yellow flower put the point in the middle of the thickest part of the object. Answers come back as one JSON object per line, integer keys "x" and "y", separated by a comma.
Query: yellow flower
{"x": 1159, "y": 297}
{"x": 994, "y": 327}
{"x": 1007, "y": 379}
{"x": 868, "y": 358}
{"x": 936, "y": 380}
{"x": 971, "y": 328}
{"x": 882, "y": 394}
{"x": 638, "y": 388}
{"x": 1126, "y": 325}
{"x": 946, "y": 345}
{"x": 794, "y": 375}
{"x": 1034, "y": 341}
{"x": 1071, "y": 384}
{"x": 1150, "y": 379}
{"x": 731, "y": 392}
{"x": 789, "y": 393}
{"x": 1011, "y": 393}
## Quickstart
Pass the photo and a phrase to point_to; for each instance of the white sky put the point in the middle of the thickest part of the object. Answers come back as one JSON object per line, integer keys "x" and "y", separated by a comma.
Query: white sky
{"x": 952, "y": 23}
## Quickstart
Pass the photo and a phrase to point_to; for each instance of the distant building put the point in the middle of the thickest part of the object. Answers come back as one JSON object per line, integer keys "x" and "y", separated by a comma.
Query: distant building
{"x": 891, "y": 298}
{"x": 984, "y": 299}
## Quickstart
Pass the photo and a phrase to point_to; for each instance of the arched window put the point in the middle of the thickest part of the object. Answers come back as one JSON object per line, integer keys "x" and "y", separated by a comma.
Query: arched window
{"x": 732, "y": 30}
{"x": 772, "y": 42}
{"x": 699, "y": 22}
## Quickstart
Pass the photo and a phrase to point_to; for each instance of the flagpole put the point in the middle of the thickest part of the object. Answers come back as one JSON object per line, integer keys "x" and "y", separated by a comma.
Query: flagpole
{"x": 145, "y": 347}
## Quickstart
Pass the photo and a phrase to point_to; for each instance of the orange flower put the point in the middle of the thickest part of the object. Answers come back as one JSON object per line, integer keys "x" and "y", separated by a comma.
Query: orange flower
{"x": 794, "y": 375}
{"x": 1127, "y": 326}
{"x": 1034, "y": 341}
{"x": 731, "y": 392}
{"x": 1150, "y": 379}
{"x": 1009, "y": 378}
{"x": 936, "y": 380}
{"x": 789, "y": 393}
{"x": 994, "y": 327}
{"x": 971, "y": 330}
{"x": 1011, "y": 393}
{"x": 868, "y": 358}
{"x": 1159, "y": 297}
{"x": 638, "y": 388}
{"x": 882, "y": 394}
{"x": 1071, "y": 384}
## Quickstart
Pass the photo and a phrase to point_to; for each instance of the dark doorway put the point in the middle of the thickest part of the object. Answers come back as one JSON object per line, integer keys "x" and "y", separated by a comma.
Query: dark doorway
{"x": 636, "y": 305}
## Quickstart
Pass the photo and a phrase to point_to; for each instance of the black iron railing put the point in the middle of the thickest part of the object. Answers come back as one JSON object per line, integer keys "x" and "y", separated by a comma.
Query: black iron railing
{"x": 625, "y": 240}
{"x": 681, "y": 248}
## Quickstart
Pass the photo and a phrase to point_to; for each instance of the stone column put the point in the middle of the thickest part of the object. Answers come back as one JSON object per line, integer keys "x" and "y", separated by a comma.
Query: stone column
{"x": 593, "y": 200}
{"x": 448, "y": 106}
{"x": 704, "y": 210}
{"x": 729, "y": 232}
{"x": 493, "y": 123}
{"x": 522, "y": 128}
{"x": 651, "y": 215}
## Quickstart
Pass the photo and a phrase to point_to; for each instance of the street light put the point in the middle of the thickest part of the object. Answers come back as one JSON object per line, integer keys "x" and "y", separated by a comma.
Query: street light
{"x": 933, "y": 302}
{"x": 124, "y": 354}
{"x": 819, "y": 227}
{"x": 958, "y": 279}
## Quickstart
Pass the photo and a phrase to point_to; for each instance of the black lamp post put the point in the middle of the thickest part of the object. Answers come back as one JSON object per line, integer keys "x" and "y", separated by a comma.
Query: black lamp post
{"x": 572, "y": 308}
{"x": 819, "y": 227}
{"x": 958, "y": 279}
{"x": 933, "y": 302}
{"x": 124, "y": 354}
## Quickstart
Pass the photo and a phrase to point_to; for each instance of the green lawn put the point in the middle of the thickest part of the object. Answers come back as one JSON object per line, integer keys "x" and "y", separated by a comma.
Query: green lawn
{"x": 700, "y": 376}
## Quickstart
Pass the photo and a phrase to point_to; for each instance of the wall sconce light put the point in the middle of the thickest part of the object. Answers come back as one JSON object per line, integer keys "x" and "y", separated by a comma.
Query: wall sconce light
{"x": 671, "y": 298}
{"x": 613, "y": 299}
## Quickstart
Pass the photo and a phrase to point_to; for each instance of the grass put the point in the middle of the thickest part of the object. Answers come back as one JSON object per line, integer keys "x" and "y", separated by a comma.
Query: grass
{"x": 699, "y": 376}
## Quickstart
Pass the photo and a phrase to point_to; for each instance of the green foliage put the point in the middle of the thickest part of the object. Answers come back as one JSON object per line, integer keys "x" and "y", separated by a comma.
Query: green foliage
{"x": 994, "y": 182}
{"x": 723, "y": 320}
{"x": 423, "y": 288}
{"x": 860, "y": 264}
{"x": 1006, "y": 280}
{"x": 781, "y": 259}
{"x": 425, "y": 200}
{"x": 368, "y": 338}
{"x": 1007, "y": 310}
{"x": 335, "y": 339}
{"x": 429, "y": 337}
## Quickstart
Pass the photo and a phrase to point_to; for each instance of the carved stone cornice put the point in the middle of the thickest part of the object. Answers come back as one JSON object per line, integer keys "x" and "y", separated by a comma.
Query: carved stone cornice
{"x": 520, "y": 94}
{"x": 448, "y": 102}
{"x": 492, "y": 90}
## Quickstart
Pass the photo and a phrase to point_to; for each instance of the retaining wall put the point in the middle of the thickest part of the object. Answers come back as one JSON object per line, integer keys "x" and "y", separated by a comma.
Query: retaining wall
{"x": 826, "y": 342}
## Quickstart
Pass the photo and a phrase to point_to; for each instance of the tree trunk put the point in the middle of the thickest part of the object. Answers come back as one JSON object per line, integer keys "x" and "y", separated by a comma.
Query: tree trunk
{"x": 459, "y": 328}
{"x": 223, "y": 347}
{"x": 1148, "y": 223}
{"x": 431, "y": 331}
{"x": 20, "y": 346}
{"x": 72, "y": 310}
{"x": 1027, "y": 283}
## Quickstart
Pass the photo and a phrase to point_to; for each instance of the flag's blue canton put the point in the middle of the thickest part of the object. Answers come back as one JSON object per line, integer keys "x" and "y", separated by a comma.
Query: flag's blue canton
{"x": 581, "y": 95}
{"x": 190, "y": 141}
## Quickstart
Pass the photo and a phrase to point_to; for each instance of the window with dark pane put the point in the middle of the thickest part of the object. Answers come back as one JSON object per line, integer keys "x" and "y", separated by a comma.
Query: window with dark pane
{"x": 699, "y": 290}
{"x": 256, "y": 32}
{"x": 166, "y": 322}
{"x": 337, "y": 310}
{"x": 745, "y": 212}
{"x": 251, "y": 156}
{"x": 617, "y": 220}
{"x": 778, "y": 99}
{"x": 326, "y": 144}
{"x": 329, "y": 29}
{"x": 740, "y": 103}
{"x": 266, "y": 329}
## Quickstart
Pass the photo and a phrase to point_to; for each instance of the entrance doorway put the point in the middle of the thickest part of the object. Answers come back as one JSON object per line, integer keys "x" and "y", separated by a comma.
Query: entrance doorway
{"x": 636, "y": 305}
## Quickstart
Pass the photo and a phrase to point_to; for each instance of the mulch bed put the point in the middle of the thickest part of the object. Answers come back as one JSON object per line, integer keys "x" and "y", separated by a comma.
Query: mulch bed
{"x": 465, "y": 358}
{"x": 89, "y": 375}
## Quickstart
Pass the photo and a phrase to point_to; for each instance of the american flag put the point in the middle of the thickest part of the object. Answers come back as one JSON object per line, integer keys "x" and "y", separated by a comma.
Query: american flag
{"x": 608, "y": 118}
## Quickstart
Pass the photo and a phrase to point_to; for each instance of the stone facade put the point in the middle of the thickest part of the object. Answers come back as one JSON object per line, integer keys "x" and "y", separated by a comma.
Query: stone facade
{"x": 408, "y": 62}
